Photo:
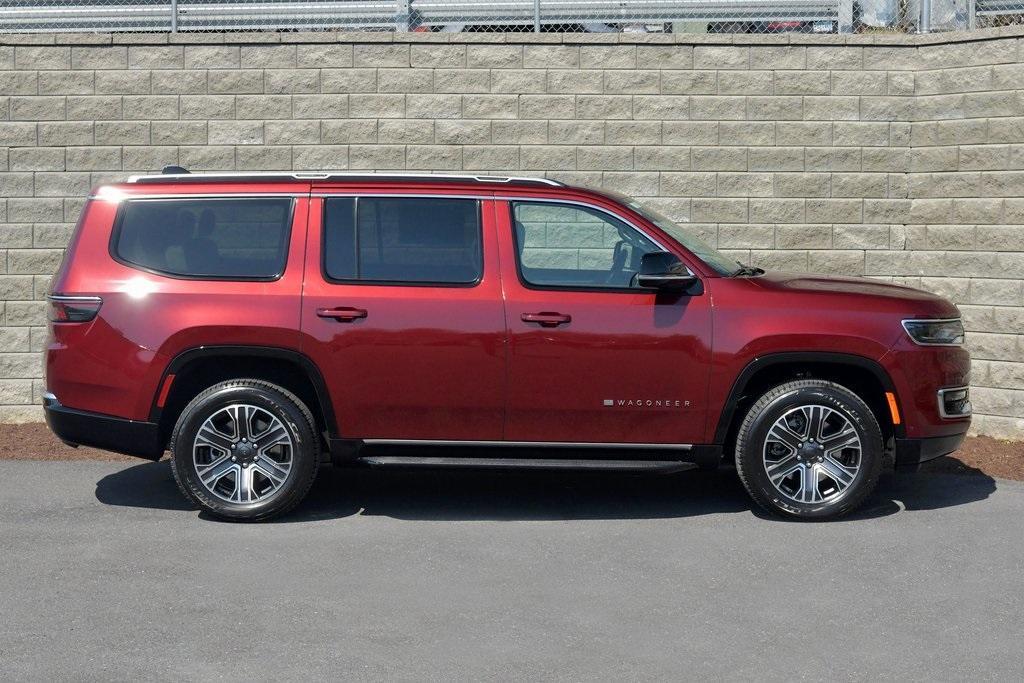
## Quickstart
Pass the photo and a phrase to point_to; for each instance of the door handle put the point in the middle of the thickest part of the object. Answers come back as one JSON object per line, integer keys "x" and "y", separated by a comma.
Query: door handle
{"x": 546, "y": 318}
{"x": 342, "y": 314}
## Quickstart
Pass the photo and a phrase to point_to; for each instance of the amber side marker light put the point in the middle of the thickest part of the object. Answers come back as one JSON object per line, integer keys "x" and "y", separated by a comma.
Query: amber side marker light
{"x": 893, "y": 409}
{"x": 166, "y": 389}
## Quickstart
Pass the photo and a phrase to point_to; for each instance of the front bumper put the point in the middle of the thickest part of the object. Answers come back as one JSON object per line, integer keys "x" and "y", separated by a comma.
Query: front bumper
{"x": 912, "y": 452}
{"x": 919, "y": 374}
{"x": 81, "y": 428}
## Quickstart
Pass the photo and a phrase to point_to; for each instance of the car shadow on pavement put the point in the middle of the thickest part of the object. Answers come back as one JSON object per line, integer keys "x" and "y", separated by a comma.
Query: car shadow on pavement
{"x": 149, "y": 485}
{"x": 424, "y": 494}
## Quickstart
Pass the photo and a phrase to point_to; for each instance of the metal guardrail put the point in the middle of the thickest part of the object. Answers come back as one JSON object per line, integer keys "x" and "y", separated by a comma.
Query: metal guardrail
{"x": 625, "y": 11}
{"x": 996, "y": 7}
{"x": 722, "y": 16}
{"x": 230, "y": 15}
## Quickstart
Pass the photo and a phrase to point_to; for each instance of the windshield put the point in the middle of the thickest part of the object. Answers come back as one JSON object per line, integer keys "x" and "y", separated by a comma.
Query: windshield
{"x": 719, "y": 262}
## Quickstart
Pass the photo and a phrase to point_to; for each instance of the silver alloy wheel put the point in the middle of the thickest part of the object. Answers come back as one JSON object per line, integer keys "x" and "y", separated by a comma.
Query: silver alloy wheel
{"x": 812, "y": 454}
{"x": 242, "y": 453}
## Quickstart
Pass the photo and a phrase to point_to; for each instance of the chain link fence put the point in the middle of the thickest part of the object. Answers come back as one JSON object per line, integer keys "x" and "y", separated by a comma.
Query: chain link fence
{"x": 596, "y": 16}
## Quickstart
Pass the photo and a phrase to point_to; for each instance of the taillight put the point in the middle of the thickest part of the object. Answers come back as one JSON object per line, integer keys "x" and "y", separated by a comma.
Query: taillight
{"x": 73, "y": 309}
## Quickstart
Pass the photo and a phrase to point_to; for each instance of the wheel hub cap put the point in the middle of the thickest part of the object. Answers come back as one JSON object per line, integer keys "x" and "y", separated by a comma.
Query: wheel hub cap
{"x": 245, "y": 453}
{"x": 812, "y": 454}
{"x": 242, "y": 454}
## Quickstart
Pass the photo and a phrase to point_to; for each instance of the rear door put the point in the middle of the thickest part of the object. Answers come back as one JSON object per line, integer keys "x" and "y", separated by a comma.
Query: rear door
{"x": 402, "y": 311}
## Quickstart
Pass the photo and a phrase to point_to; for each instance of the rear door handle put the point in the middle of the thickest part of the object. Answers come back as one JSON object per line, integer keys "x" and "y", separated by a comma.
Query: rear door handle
{"x": 342, "y": 314}
{"x": 546, "y": 318}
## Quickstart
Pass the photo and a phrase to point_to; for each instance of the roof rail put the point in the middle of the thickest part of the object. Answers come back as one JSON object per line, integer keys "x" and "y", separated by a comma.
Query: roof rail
{"x": 179, "y": 174}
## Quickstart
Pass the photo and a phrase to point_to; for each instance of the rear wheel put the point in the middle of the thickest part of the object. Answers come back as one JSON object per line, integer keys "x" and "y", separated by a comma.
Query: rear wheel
{"x": 809, "y": 449}
{"x": 245, "y": 450}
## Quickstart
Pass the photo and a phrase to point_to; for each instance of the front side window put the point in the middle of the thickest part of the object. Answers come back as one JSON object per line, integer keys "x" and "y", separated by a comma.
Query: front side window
{"x": 243, "y": 238}
{"x": 716, "y": 260}
{"x": 402, "y": 240}
{"x": 565, "y": 245}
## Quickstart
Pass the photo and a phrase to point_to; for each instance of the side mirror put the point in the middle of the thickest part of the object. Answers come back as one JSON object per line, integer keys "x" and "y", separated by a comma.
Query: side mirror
{"x": 663, "y": 270}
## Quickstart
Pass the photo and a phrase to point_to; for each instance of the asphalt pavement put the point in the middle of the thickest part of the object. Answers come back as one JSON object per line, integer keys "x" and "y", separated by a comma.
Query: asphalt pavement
{"x": 106, "y": 573}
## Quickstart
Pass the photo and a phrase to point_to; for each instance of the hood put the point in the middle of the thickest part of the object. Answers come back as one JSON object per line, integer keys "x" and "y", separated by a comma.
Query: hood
{"x": 913, "y": 301}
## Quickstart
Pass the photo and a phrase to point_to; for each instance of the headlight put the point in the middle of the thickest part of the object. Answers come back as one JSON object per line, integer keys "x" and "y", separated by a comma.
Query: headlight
{"x": 935, "y": 332}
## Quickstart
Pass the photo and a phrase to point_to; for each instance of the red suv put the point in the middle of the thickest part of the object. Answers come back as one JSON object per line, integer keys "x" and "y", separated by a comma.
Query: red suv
{"x": 254, "y": 324}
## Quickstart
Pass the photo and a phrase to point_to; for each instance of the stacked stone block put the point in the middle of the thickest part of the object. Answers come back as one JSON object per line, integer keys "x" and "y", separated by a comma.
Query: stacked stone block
{"x": 898, "y": 157}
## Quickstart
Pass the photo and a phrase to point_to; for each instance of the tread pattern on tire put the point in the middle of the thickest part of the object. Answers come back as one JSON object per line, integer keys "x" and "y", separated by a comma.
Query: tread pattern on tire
{"x": 301, "y": 487}
{"x": 848, "y": 504}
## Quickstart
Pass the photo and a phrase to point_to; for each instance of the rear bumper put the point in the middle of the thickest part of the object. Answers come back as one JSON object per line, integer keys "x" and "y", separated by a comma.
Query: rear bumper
{"x": 912, "y": 452}
{"x": 81, "y": 428}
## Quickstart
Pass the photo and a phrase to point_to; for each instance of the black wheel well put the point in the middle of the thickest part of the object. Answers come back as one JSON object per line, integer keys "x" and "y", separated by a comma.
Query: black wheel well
{"x": 194, "y": 374}
{"x": 858, "y": 377}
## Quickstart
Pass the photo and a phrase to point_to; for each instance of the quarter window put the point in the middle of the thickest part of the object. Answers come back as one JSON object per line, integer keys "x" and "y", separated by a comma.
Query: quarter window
{"x": 564, "y": 245}
{"x": 238, "y": 239}
{"x": 403, "y": 240}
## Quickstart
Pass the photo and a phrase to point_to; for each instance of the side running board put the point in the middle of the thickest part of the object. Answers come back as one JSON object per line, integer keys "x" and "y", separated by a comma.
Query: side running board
{"x": 665, "y": 466}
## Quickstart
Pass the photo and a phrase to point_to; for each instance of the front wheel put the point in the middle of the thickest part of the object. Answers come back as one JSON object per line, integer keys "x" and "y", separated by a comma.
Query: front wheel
{"x": 809, "y": 449}
{"x": 245, "y": 450}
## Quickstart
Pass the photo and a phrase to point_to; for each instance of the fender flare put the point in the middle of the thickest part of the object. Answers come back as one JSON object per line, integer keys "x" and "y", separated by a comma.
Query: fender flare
{"x": 313, "y": 373}
{"x": 795, "y": 358}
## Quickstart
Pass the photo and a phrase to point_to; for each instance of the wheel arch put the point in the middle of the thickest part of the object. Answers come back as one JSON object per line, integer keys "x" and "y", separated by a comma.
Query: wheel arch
{"x": 198, "y": 368}
{"x": 864, "y": 376}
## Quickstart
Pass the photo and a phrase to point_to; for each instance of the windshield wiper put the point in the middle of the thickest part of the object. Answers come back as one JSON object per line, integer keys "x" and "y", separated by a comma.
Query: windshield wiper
{"x": 747, "y": 270}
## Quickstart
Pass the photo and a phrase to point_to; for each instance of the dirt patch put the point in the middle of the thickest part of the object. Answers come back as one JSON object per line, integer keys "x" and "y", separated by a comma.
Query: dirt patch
{"x": 983, "y": 455}
{"x": 979, "y": 455}
{"x": 34, "y": 441}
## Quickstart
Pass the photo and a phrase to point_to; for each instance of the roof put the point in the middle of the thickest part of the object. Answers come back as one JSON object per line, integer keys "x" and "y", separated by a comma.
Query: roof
{"x": 180, "y": 175}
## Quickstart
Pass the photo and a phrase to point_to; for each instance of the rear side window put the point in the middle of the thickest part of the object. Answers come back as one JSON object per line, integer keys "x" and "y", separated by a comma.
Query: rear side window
{"x": 237, "y": 239}
{"x": 402, "y": 240}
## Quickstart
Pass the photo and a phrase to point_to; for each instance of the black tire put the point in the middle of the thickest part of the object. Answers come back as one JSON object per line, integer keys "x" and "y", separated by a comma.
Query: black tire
{"x": 279, "y": 403}
{"x": 776, "y": 403}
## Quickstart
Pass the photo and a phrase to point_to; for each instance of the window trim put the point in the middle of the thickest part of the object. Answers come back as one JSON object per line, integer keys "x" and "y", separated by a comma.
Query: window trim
{"x": 397, "y": 283}
{"x": 575, "y": 288}
{"x": 115, "y": 235}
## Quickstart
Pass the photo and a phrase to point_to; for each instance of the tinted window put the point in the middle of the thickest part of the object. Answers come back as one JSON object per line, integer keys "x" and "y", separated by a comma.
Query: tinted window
{"x": 719, "y": 262}
{"x": 402, "y": 239}
{"x": 245, "y": 238}
{"x": 563, "y": 245}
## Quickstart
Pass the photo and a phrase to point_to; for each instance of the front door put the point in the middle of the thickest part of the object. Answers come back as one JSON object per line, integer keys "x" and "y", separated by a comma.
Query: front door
{"x": 402, "y": 311}
{"x": 592, "y": 358}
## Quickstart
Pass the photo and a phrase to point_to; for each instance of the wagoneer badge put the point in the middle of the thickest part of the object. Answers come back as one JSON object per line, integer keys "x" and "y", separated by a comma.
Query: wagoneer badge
{"x": 645, "y": 403}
